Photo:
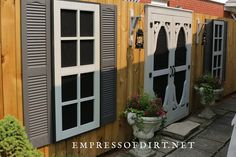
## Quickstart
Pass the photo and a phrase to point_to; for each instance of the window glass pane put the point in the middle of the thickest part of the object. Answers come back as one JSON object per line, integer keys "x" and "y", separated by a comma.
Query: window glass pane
{"x": 69, "y": 88}
{"x": 68, "y": 53}
{"x": 219, "y": 60}
{"x": 180, "y": 78}
{"x": 86, "y": 23}
{"x": 86, "y": 52}
{"x": 216, "y": 45}
{"x": 161, "y": 55}
{"x": 68, "y": 23}
{"x": 159, "y": 86}
{"x": 214, "y": 73}
{"x": 86, "y": 85}
{"x": 215, "y": 60}
{"x": 86, "y": 112}
{"x": 181, "y": 50}
{"x": 69, "y": 116}
{"x": 218, "y": 73}
{"x": 220, "y": 44}
{"x": 220, "y": 30}
{"x": 216, "y": 30}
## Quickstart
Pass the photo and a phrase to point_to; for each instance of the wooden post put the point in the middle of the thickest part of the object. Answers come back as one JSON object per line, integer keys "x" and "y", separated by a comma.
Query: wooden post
{"x": 130, "y": 58}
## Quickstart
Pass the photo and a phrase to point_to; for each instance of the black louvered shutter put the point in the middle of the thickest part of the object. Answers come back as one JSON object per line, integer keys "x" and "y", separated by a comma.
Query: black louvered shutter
{"x": 224, "y": 50}
{"x": 108, "y": 64}
{"x": 207, "y": 61}
{"x": 36, "y": 62}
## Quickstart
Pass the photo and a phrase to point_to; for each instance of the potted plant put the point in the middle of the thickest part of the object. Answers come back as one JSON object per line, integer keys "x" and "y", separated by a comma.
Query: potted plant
{"x": 145, "y": 114}
{"x": 209, "y": 89}
{"x": 214, "y": 82}
{"x": 218, "y": 89}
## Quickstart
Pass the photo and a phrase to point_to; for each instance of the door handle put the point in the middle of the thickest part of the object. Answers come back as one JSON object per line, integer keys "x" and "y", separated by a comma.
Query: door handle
{"x": 173, "y": 71}
{"x": 171, "y": 74}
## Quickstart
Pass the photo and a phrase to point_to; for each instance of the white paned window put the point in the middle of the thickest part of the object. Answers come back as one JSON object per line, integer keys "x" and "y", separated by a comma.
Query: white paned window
{"x": 76, "y": 67}
{"x": 218, "y": 49}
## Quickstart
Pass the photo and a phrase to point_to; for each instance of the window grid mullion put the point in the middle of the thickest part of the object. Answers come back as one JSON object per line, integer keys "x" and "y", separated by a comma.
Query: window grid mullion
{"x": 69, "y": 102}
{"x": 87, "y": 98}
{"x": 78, "y": 66}
{"x": 68, "y": 38}
{"x": 78, "y": 104}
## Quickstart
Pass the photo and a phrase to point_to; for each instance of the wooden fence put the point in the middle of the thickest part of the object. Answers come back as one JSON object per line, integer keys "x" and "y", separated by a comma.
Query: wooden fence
{"x": 11, "y": 81}
{"x": 129, "y": 77}
{"x": 197, "y": 55}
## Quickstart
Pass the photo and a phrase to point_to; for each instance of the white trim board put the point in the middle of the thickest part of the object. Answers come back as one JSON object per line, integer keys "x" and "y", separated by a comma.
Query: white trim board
{"x": 59, "y": 72}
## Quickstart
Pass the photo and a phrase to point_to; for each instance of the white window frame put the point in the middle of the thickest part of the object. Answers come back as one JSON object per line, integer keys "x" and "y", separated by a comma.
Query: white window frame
{"x": 218, "y": 53}
{"x": 76, "y": 70}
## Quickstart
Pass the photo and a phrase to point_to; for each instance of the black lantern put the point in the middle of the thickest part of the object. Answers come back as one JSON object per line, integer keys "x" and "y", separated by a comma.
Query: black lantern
{"x": 139, "y": 39}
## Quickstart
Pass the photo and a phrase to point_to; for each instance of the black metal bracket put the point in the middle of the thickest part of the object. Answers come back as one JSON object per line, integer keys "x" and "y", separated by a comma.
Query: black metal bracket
{"x": 150, "y": 75}
{"x": 151, "y": 24}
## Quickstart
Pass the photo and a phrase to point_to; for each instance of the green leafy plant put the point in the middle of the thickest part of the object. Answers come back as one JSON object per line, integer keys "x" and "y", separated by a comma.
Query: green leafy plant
{"x": 14, "y": 141}
{"x": 205, "y": 85}
{"x": 207, "y": 92}
{"x": 214, "y": 82}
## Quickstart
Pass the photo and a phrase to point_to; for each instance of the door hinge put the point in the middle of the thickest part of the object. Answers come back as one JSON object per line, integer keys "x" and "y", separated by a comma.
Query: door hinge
{"x": 150, "y": 75}
{"x": 151, "y": 24}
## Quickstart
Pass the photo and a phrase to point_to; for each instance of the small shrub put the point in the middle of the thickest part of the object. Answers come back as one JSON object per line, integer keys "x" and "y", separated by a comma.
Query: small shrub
{"x": 14, "y": 141}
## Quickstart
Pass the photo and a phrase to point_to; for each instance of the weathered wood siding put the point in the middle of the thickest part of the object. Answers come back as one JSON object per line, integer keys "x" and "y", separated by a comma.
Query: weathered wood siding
{"x": 129, "y": 76}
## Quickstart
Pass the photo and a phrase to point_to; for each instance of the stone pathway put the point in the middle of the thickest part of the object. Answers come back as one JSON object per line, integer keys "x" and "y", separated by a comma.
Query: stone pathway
{"x": 211, "y": 138}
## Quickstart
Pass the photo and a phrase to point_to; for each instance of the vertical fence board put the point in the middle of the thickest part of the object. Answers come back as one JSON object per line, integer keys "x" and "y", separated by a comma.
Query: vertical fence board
{"x": 18, "y": 62}
{"x": 61, "y": 149}
{"x": 9, "y": 57}
{"x": 234, "y": 51}
{"x": 1, "y": 59}
{"x": 69, "y": 147}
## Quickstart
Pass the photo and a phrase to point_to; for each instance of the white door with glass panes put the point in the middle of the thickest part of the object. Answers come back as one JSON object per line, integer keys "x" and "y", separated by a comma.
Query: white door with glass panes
{"x": 168, "y": 58}
{"x": 76, "y": 67}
